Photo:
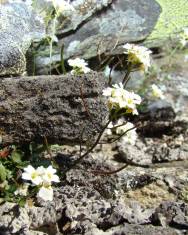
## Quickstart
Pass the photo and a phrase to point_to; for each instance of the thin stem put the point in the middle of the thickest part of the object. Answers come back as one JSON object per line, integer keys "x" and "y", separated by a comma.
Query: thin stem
{"x": 111, "y": 128}
{"x": 119, "y": 137}
{"x": 76, "y": 162}
{"x": 51, "y": 42}
{"x": 110, "y": 172}
{"x": 119, "y": 169}
{"x": 62, "y": 60}
{"x": 47, "y": 146}
{"x": 127, "y": 75}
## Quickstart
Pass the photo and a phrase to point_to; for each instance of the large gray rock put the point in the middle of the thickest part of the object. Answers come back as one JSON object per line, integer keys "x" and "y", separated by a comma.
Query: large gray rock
{"x": 19, "y": 26}
{"x": 104, "y": 33}
{"x": 124, "y": 21}
{"x": 62, "y": 108}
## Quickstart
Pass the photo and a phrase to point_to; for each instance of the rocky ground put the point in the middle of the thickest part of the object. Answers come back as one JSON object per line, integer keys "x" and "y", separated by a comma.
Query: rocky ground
{"x": 149, "y": 196}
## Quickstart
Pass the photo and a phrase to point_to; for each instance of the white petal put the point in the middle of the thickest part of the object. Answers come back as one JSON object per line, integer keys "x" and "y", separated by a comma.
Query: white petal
{"x": 37, "y": 180}
{"x": 55, "y": 178}
{"x": 46, "y": 193}
{"x": 26, "y": 176}
{"x": 29, "y": 169}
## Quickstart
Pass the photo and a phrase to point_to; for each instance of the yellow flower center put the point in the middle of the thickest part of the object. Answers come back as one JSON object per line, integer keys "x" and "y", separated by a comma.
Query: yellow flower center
{"x": 34, "y": 175}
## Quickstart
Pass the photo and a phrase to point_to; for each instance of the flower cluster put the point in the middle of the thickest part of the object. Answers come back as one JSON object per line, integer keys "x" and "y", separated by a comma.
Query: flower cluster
{"x": 119, "y": 98}
{"x": 138, "y": 56}
{"x": 43, "y": 178}
{"x": 61, "y": 5}
{"x": 121, "y": 127}
{"x": 22, "y": 190}
{"x": 184, "y": 37}
{"x": 156, "y": 92}
{"x": 79, "y": 66}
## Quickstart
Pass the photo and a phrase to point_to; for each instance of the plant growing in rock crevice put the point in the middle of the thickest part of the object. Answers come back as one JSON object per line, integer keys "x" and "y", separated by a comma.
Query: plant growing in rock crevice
{"x": 22, "y": 178}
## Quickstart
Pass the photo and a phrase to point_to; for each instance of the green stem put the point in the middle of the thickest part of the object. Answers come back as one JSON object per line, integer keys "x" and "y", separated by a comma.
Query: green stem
{"x": 62, "y": 60}
{"x": 127, "y": 75}
{"x": 89, "y": 150}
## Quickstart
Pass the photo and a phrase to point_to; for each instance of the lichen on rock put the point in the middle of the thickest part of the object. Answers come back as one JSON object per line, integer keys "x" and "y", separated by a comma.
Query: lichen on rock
{"x": 19, "y": 26}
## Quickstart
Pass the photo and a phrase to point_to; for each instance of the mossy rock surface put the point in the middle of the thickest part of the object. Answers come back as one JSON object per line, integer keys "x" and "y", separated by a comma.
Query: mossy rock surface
{"x": 173, "y": 18}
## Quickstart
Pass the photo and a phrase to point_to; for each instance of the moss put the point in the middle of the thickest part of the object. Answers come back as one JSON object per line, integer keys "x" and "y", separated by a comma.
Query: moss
{"x": 173, "y": 18}
{"x": 151, "y": 195}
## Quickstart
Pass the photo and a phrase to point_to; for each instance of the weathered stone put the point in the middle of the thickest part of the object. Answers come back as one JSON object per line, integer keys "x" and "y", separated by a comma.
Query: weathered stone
{"x": 123, "y": 21}
{"x": 19, "y": 26}
{"x": 134, "y": 230}
{"x": 13, "y": 219}
{"x": 150, "y": 151}
{"x": 134, "y": 154}
{"x": 172, "y": 214}
{"x": 129, "y": 22}
{"x": 61, "y": 108}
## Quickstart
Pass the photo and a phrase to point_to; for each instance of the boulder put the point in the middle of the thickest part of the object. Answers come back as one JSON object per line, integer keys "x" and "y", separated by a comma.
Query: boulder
{"x": 19, "y": 27}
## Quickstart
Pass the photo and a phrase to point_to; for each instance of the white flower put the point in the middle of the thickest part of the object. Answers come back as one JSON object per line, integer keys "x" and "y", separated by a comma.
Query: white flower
{"x": 184, "y": 37}
{"x": 130, "y": 136}
{"x": 49, "y": 175}
{"x": 138, "y": 55}
{"x": 22, "y": 190}
{"x": 107, "y": 91}
{"x": 32, "y": 174}
{"x": 120, "y": 98}
{"x": 108, "y": 130}
{"x": 42, "y": 177}
{"x": 46, "y": 192}
{"x": 127, "y": 128}
{"x": 186, "y": 58}
{"x": 156, "y": 92}
{"x": 61, "y": 5}
{"x": 79, "y": 66}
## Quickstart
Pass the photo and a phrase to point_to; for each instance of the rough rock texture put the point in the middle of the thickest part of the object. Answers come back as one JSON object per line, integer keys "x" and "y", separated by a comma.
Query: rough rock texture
{"x": 60, "y": 108}
{"x": 130, "y": 21}
{"x": 162, "y": 137}
{"x": 19, "y": 26}
{"x": 98, "y": 36}
{"x": 90, "y": 203}
{"x": 83, "y": 10}
{"x": 130, "y": 229}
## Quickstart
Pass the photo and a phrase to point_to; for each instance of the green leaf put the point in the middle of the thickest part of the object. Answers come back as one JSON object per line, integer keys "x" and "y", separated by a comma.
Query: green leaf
{"x": 22, "y": 202}
{"x": 16, "y": 156}
{"x": 3, "y": 173}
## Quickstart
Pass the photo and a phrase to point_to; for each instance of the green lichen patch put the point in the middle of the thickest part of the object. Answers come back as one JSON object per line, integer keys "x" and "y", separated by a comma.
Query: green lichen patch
{"x": 173, "y": 18}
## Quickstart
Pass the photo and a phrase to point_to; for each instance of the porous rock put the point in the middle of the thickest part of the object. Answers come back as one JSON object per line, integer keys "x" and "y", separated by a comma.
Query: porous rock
{"x": 61, "y": 108}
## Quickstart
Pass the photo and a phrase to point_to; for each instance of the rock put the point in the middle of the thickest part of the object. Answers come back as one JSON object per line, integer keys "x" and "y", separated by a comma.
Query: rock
{"x": 148, "y": 151}
{"x": 83, "y": 10}
{"x": 64, "y": 109}
{"x": 134, "y": 154}
{"x": 13, "y": 219}
{"x": 172, "y": 214}
{"x": 150, "y": 195}
{"x": 129, "y": 22}
{"x": 19, "y": 27}
{"x": 131, "y": 229}
{"x": 90, "y": 203}
{"x": 97, "y": 36}
{"x": 160, "y": 110}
